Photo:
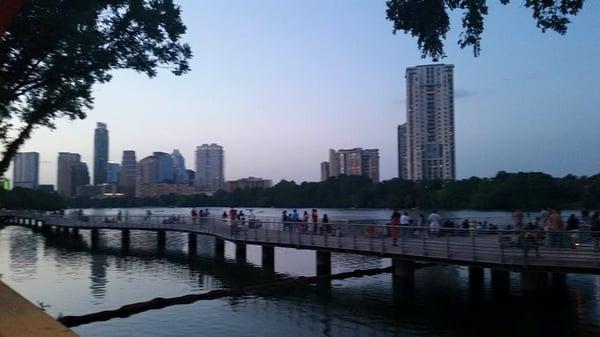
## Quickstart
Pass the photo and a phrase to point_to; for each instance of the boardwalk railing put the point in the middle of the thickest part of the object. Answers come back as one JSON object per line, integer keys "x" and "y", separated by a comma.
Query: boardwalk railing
{"x": 576, "y": 250}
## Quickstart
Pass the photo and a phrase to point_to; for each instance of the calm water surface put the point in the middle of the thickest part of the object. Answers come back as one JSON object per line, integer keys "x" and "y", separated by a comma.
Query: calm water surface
{"x": 70, "y": 277}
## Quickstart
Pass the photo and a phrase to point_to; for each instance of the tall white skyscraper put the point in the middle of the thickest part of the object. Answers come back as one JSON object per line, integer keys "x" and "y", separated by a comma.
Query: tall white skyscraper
{"x": 430, "y": 122}
{"x": 26, "y": 170}
{"x": 210, "y": 168}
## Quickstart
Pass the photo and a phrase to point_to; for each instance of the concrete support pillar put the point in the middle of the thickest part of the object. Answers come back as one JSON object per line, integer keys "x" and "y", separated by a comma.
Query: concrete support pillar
{"x": 403, "y": 273}
{"x": 323, "y": 263}
{"x": 125, "y": 239}
{"x": 75, "y": 231}
{"x": 94, "y": 237}
{"x": 219, "y": 248}
{"x": 192, "y": 243}
{"x": 268, "y": 258}
{"x": 500, "y": 284}
{"x": 533, "y": 282}
{"x": 476, "y": 277}
{"x": 240, "y": 252}
{"x": 161, "y": 237}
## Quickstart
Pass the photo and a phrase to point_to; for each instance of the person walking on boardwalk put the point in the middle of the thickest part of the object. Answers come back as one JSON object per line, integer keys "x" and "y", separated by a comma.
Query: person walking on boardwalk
{"x": 194, "y": 215}
{"x": 394, "y": 223}
{"x": 315, "y": 219}
{"x": 404, "y": 223}
{"x": 434, "y": 222}
{"x": 325, "y": 224}
{"x": 595, "y": 229}
{"x": 555, "y": 230}
{"x": 284, "y": 220}
{"x": 518, "y": 219}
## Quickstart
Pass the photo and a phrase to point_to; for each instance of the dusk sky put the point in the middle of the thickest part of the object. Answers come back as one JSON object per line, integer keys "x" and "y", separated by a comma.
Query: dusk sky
{"x": 279, "y": 83}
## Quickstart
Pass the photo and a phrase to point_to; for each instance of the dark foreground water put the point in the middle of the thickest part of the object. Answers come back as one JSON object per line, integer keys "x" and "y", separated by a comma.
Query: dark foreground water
{"x": 64, "y": 273}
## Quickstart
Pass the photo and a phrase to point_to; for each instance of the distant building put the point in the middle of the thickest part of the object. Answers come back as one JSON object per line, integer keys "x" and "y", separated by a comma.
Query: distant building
{"x": 127, "y": 177}
{"x": 354, "y": 162}
{"x": 430, "y": 122}
{"x": 191, "y": 177}
{"x": 165, "y": 167}
{"x": 210, "y": 168}
{"x": 247, "y": 183}
{"x": 113, "y": 171}
{"x": 147, "y": 174}
{"x": 46, "y": 187}
{"x": 100, "y": 153}
{"x": 96, "y": 191}
{"x": 179, "y": 171}
{"x": 71, "y": 173}
{"x": 324, "y": 171}
{"x": 155, "y": 190}
{"x": 26, "y": 170}
{"x": 402, "y": 152}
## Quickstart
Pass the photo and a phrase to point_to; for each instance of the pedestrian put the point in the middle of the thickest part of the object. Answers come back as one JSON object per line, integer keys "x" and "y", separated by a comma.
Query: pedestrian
{"x": 315, "y": 220}
{"x": 394, "y": 223}
{"x": 194, "y": 215}
{"x": 518, "y": 218}
{"x": 404, "y": 223}
{"x": 556, "y": 227}
{"x": 595, "y": 229}
{"x": 573, "y": 228}
{"x": 543, "y": 222}
{"x": 434, "y": 222}
{"x": 325, "y": 222}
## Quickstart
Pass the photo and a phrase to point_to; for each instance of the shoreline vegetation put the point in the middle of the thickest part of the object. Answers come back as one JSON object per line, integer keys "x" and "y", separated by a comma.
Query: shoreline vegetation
{"x": 505, "y": 191}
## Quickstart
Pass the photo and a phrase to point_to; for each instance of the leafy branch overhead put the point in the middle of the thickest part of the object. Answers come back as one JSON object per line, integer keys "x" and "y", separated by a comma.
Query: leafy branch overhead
{"x": 428, "y": 20}
{"x": 54, "y": 51}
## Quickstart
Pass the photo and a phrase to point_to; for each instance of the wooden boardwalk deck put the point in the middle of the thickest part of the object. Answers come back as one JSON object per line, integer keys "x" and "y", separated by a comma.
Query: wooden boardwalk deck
{"x": 500, "y": 249}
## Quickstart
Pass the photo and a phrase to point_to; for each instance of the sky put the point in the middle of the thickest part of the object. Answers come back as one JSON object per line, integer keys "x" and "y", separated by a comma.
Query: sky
{"x": 279, "y": 83}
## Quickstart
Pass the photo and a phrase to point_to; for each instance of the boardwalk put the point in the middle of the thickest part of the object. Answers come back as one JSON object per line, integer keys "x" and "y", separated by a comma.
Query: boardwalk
{"x": 499, "y": 249}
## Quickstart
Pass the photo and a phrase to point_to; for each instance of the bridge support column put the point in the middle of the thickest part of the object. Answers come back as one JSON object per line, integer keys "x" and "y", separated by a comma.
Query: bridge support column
{"x": 476, "y": 277}
{"x": 240, "y": 252}
{"x": 403, "y": 273}
{"x": 192, "y": 243}
{"x": 125, "y": 239}
{"x": 268, "y": 258}
{"x": 75, "y": 231}
{"x": 323, "y": 263}
{"x": 94, "y": 237}
{"x": 219, "y": 248}
{"x": 500, "y": 284}
{"x": 532, "y": 282}
{"x": 161, "y": 237}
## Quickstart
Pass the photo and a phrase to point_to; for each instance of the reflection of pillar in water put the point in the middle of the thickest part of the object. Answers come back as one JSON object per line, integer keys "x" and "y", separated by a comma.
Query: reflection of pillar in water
{"x": 125, "y": 240}
{"x": 268, "y": 258}
{"x": 192, "y": 243}
{"x": 476, "y": 279}
{"x": 500, "y": 284}
{"x": 99, "y": 262}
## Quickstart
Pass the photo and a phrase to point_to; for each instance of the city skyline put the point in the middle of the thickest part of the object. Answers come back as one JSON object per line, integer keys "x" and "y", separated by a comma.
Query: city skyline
{"x": 309, "y": 86}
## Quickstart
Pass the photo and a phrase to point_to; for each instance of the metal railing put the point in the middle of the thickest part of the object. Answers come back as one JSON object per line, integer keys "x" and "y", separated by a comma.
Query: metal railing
{"x": 496, "y": 244}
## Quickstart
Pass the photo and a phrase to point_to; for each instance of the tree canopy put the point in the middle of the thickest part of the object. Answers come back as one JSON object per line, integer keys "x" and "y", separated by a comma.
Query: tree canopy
{"x": 54, "y": 51}
{"x": 429, "y": 21}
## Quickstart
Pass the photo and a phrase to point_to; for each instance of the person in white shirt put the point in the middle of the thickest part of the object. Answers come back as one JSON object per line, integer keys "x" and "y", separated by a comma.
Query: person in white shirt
{"x": 404, "y": 223}
{"x": 434, "y": 222}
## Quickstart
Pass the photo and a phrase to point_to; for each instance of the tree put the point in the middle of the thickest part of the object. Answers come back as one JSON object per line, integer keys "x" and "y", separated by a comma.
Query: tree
{"x": 428, "y": 20}
{"x": 54, "y": 51}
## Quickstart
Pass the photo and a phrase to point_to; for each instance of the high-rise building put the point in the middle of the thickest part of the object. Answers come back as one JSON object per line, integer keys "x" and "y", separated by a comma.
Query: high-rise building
{"x": 248, "y": 183}
{"x": 165, "y": 167}
{"x": 179, "y": 170}
{"x": 324, "y": 170}
{"x": 430, "y": 122}
{"x": 147, "y": 174}
{"x": 210, "y": 168}
{"x": 191, "y": 176}
{"x": 113, "y": 170}
{"x": 26, "y": 170}
{"x": 402, "y": 152}
{"x": 127, "y": 176}
{"x": 353, "y": 162}
{"x": 100, "y": 153}
{"x": 72, "y": 173}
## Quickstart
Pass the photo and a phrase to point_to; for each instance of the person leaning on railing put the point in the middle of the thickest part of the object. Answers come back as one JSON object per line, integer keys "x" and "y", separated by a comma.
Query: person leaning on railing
{"x": 595, "y": 229}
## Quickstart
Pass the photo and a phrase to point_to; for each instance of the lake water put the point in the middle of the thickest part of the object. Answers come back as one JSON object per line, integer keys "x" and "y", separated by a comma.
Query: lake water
{"x": 73, "y": 279}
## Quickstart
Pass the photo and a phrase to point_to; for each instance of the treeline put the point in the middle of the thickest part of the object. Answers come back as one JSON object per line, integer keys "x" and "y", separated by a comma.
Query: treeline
{"x": 529, "y": 191}
{"x": 25, "y": 198}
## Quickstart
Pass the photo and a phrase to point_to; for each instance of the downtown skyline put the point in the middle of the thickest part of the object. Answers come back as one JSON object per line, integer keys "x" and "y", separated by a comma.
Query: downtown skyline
{"x": 311, "y": 88}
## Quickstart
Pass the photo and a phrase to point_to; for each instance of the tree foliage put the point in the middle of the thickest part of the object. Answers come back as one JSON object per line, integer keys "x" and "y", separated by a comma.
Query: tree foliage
{"x": 504, "y": 191}
{"x": 54, "y": 51}
{"x": 429, "y": 20}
